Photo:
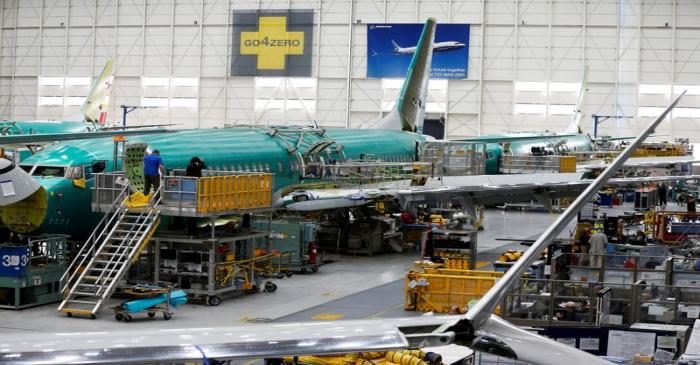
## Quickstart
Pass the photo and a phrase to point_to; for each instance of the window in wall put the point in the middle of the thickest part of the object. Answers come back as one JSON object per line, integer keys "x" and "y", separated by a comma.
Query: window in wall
{"x": 530, "y": 108}
{"x": 59, "y": 97}
{"x": 561, "y": 109}
{"x": 171, "y": 99}
{"x": 437, "y": 95}
{"x": 285, "y": 100}
{"x": 654, "y": 89}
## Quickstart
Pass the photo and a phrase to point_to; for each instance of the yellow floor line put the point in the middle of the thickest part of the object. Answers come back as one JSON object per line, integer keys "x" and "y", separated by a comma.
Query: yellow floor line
{"x": 384, "y": 311}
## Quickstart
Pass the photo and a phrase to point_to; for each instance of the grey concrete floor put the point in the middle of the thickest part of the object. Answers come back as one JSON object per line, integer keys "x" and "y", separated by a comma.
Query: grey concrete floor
{"x": 328, "y": 292}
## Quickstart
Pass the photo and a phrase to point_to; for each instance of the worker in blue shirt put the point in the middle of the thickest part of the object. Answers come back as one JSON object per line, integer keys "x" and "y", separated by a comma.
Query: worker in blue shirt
{"x": 152, "y": 169}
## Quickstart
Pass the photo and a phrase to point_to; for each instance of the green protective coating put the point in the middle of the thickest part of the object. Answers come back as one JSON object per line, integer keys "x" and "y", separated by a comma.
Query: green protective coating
{"x": 133, "y": 165}
{"x": 413, "y": 93}
{"x": 228, "y": 149}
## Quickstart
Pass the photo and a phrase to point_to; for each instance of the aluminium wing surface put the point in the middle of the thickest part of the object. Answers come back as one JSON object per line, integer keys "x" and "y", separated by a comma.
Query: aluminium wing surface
{"x": 642, "y": 162}
{"x": 480, "y": 189}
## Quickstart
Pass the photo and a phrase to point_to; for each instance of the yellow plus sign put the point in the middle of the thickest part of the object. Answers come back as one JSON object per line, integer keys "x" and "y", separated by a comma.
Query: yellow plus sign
{"x": 272, "y": 43}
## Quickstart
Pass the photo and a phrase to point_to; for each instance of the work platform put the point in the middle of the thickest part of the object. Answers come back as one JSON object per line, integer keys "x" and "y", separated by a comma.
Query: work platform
{"x": 214, "y": 194}
{"x": 130, "y": 222}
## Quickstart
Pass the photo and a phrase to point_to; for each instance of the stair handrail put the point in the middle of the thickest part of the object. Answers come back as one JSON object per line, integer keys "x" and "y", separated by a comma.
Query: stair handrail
{"x": 91, "y": 241}
{"x": 133, "y": 234}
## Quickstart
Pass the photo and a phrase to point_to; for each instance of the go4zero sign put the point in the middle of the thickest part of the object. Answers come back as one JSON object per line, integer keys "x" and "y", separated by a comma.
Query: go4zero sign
{"x": 272, "y": 43}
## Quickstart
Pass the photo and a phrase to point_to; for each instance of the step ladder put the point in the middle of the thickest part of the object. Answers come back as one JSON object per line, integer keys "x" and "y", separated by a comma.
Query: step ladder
{"x": 106, "y": 256}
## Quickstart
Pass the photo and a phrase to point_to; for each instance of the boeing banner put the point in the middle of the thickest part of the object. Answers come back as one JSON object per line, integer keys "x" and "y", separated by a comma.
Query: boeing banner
{"x": 272, "y": 42}
{"x": 390, "y": 48}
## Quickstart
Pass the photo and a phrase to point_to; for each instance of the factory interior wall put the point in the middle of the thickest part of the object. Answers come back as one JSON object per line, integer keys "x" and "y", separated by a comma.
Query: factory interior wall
{"x": 525, "y": 63}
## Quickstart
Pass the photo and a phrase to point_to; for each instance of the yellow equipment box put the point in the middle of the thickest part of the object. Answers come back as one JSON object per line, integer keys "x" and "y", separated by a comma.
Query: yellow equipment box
{"x": 438, "y": 290}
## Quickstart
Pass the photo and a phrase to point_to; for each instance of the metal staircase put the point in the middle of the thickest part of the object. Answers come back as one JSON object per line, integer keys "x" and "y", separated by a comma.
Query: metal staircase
{"x": 106, "y": 256}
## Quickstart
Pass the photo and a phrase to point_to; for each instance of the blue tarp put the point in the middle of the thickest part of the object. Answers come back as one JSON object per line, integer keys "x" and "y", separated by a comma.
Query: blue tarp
{"x": 177, "y": 297}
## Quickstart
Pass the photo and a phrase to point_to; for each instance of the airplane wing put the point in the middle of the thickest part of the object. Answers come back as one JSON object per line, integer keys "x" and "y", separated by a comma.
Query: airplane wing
{"x": 510, "y": 138}
{"x": 476, "y": 190}
{"x": 273, "y": 340}
{"x": 53, "y": 137}
{"x": 641, "y": 162}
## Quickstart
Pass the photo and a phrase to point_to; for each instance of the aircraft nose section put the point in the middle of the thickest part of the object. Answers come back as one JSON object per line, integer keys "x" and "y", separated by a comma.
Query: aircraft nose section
{"x": 26, "y": 215}
{"x": 23, "y": 201}
{"x": 15, "y": 183}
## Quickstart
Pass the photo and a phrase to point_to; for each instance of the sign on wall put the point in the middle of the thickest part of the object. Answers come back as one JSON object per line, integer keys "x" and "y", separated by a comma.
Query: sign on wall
{"x": 272, "y": 42}
{"x": 390, "y": 48}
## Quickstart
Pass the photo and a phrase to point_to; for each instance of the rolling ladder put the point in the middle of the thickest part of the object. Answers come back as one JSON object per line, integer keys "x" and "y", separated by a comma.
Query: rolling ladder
{"x": 106, "y": 256}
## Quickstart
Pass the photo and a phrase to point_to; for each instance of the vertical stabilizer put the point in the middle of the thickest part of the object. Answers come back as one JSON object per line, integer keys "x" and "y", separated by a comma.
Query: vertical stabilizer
{"x": 95, "y": 107}
{"x": 395, "y": 45}
{"x": 575, "y": 124}
{"x": 409, "y": 110}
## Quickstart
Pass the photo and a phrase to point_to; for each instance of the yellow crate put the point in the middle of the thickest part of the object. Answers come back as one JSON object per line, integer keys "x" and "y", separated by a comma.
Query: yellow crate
{"x": 438, "y": 290}
{"x": 245, "y": 191}
{"x": 567, "y": 164}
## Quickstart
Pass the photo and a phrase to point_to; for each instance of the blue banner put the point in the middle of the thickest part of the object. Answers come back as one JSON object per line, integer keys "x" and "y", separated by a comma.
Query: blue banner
{"x": 390, "y": 48}
{"x": 14, "y": 261}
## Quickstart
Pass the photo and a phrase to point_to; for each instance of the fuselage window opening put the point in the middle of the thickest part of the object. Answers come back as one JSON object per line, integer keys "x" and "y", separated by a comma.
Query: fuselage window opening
{"x": 47, "y": 171}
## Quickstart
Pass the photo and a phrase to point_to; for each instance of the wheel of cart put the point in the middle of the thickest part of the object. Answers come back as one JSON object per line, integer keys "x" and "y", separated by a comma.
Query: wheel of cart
{"x": 270, "y": 287}
{"x": 213, "y": 300}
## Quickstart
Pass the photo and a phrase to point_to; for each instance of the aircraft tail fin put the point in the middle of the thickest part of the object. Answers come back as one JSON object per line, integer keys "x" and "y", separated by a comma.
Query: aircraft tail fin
{"x": 395, "y": 45}
{"x": 576, "y": 119}
{"x": 95, "y": 107}
{"x": 409, "y": 110}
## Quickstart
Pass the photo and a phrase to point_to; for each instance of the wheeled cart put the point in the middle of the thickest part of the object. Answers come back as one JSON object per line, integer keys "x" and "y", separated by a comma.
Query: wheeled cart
{"x": 150, "y": 300}
{"x": 210, "y": 269}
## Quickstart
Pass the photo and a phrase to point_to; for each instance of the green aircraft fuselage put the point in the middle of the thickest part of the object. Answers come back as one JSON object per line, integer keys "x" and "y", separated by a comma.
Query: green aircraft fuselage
{"x": 43, "y": 127}
{"x": 229, "y": 149}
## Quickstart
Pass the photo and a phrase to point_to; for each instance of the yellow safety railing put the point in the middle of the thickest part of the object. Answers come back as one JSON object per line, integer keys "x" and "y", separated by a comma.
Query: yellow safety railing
{"x": 222, "y": 193}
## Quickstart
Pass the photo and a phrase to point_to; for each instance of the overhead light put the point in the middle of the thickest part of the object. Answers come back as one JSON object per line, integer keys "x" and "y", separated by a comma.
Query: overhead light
{"x": 654, "y": 89}
{"x": 530, "y": 86}
{"x": 561, "y": 109}
{"x": 51, "y": 80}
{"x": 530, "y": 108}
{"x": 155, "y": 81}
{"x": 564, "y": 87}
{"x": 51, "y": 100}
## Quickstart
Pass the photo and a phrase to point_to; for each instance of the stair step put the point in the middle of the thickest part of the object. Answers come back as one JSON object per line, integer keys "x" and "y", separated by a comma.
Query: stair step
{"x": 106, "y": 262}
{"x": 94, "y": 278}
{"x": 86, "y": 294}
{"x": 99, "y": 286}
{"x": 78, "y": 301}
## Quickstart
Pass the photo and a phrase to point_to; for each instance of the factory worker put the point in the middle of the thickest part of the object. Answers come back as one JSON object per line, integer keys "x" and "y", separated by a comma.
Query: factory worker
{"x": 599, "y": 246}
